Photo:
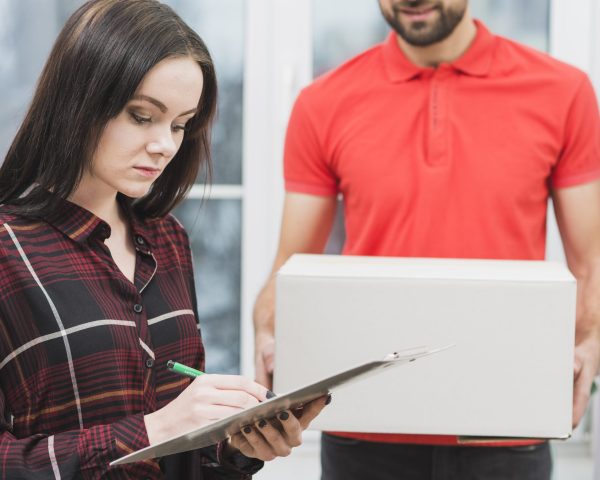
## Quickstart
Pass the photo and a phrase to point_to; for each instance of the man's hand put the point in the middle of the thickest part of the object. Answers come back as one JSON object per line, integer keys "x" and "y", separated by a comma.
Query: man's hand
{"x": 264, "y": 359}
{"x": 587, "y": 360}
{"x": 577, "y": 211}
{"x": 305, "y": 227}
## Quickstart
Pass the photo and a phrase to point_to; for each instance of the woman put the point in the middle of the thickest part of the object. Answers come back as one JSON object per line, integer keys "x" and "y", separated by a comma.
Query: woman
{"x": 96, "y": 284}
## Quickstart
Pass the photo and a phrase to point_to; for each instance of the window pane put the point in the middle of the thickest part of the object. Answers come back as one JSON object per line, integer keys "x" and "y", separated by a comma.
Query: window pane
{"x": 220, "y": 23}
{"x": 344, "y": 28}
{"x": 215, "y": 233}
{"x": 527, "y": 22}
{"x": 28, "y": 29}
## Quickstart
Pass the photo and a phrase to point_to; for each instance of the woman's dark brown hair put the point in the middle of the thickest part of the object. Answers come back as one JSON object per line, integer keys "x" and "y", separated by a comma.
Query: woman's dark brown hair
{"x": 98, "y": 61}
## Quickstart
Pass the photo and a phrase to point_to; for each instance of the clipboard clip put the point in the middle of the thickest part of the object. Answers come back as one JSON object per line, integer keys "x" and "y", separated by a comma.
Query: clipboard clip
{"x": 412, "y": 354}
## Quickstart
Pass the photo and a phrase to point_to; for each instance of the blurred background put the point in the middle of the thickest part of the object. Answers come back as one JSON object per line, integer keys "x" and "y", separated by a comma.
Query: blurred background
{"x": 265, "y": 51}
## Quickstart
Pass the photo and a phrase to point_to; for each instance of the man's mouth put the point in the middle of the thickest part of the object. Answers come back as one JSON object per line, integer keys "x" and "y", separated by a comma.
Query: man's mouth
{"x": 417, "y": 13}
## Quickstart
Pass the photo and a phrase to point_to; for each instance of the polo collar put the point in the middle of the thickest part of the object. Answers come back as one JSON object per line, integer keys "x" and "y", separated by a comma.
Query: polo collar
{"x": 476, "y": 61}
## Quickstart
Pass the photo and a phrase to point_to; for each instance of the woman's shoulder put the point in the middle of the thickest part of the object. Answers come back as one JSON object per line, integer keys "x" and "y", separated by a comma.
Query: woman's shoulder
{"x": 167, "y": 224}
{"x": 167, "y": 230}
{"x": 12, "y": 224}
{"x": 10, "y": 218}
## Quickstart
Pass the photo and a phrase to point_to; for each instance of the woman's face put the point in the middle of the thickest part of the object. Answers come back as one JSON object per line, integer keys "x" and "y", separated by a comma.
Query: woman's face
{"x": 137, "y": 145}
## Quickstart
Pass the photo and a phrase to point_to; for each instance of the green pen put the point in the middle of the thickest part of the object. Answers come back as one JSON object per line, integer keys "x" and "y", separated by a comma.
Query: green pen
{"x": 186, "y": 371}
{"x": 182, "y": 369}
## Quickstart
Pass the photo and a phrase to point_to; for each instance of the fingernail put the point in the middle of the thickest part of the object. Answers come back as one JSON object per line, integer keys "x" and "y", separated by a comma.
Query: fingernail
{"x": 284, "y": 416}
{"x": 262, "y": 423}
{"x": 270, "y": 394}
{"x": 328, "y": 399}
{"x": 247, "y": 429}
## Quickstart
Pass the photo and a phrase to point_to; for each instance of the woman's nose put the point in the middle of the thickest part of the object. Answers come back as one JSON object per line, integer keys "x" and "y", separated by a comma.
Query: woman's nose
{"x": 162, "y": 143}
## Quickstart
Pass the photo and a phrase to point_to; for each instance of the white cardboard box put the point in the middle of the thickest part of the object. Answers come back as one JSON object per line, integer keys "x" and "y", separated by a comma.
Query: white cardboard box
{"x": 510, "y": 373}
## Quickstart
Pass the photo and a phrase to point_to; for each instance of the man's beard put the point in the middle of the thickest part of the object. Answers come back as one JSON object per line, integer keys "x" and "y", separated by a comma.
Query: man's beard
{"x": 423, "y": 34}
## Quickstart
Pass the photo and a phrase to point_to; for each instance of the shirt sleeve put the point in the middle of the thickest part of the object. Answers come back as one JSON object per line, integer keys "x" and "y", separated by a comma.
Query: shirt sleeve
{"x": 579, "y": 160}
{"x": 73, "y": 454}
{"x": 305, "y": 165}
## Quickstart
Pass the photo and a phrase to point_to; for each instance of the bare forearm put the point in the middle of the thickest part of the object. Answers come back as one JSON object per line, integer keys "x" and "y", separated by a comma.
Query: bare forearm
{"x": 264, "y": 309}
{"x": 588, "y": 302}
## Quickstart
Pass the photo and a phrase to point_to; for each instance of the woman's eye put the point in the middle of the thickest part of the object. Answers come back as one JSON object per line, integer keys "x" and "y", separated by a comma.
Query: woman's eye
{"x": 138, "y": 118}
{"x": 179, "y": 128}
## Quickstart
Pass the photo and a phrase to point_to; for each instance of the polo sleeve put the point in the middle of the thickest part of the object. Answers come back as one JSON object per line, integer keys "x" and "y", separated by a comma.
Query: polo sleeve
{"x": 306, "y": 168}
{"x": 579, "y": 160}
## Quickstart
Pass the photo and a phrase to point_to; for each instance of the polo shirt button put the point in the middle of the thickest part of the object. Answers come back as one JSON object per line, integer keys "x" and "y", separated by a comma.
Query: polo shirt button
{"x": 137, "y": 308}
{"x": 139, "y": 240}
{"x": 149, "y": 363}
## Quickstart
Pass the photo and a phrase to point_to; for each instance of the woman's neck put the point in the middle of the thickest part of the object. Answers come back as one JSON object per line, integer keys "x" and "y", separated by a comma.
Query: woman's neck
{"x": 101, "y": 202}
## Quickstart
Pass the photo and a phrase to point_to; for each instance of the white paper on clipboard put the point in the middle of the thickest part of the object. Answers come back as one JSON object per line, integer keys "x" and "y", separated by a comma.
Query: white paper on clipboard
{"x": 222, "y": 429}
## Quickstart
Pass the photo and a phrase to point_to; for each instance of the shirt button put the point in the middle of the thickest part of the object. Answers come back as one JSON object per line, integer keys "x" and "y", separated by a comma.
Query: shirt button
{"x": 149, "y": 363}
{"x": 139, "y": 240}
{"x": 137, "y": 308}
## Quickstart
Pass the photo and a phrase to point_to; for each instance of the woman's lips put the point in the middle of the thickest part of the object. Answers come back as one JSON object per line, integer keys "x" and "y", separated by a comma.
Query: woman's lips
{"x": 147, "y": 172}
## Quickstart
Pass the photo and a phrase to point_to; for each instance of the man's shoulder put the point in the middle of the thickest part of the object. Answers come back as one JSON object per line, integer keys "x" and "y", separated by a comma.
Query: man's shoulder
{"x": 513, "y": 56}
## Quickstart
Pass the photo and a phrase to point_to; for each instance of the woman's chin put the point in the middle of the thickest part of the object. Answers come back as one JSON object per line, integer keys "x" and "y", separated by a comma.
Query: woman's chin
{"x": 134, "y": 193}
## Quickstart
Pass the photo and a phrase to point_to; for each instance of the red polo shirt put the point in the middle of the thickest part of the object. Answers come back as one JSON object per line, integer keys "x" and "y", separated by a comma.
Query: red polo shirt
{"x": 456, "y": 161}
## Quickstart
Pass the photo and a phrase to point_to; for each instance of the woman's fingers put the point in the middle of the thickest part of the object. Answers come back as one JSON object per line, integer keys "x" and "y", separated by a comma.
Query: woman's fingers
{"x": 312, "y": 409}
{"x": 239, "y": 441}
{"x": 291, "y": 427}
{"x": 257, "y": 442}
{"x": 268, "y": 439}
{"x": 233, "y": 382}
{"x": 274, "y": 439}
{"x": 231, "y": 398}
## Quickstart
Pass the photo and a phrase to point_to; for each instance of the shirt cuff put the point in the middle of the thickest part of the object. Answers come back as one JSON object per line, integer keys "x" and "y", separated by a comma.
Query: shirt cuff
{"x": 238, "y": 462}
{"x": 130, "y": 434}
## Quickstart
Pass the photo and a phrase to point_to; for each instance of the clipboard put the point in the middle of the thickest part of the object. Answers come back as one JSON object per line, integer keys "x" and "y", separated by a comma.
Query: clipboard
{"x": 226, "y": 427}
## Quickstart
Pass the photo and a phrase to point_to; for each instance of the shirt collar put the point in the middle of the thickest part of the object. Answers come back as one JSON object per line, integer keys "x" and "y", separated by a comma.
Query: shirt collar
{"x": 476, "y": 61}
{"x": 79, "y": 224}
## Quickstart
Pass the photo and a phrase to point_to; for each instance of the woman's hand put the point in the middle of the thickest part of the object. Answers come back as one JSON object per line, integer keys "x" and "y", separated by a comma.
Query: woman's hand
{"x": 207, "y": 399}
{"x": 267, "y": 440}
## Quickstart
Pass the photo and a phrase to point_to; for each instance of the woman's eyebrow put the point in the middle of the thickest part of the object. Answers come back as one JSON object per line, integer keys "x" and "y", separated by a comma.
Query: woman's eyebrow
{"x": 161, "y": 106}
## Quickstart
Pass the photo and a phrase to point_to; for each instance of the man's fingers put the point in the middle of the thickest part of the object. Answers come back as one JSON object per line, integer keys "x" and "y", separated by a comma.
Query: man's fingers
{"x": 262, "y": 376}
{"x": 581, "y": 395}
{"x": 268, "y": 355}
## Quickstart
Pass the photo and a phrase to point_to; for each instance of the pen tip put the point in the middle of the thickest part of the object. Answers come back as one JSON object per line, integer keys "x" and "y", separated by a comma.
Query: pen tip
{"x": 170, "y": 364}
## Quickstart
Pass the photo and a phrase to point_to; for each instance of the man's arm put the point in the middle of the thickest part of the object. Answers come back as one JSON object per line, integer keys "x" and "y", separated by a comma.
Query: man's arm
{"x": 578, "y": 216}
{"x": 305, "y": 228}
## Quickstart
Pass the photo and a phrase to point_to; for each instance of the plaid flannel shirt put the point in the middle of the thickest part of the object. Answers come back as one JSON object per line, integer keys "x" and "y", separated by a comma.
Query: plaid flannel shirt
{"x": 83, "y": 350}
